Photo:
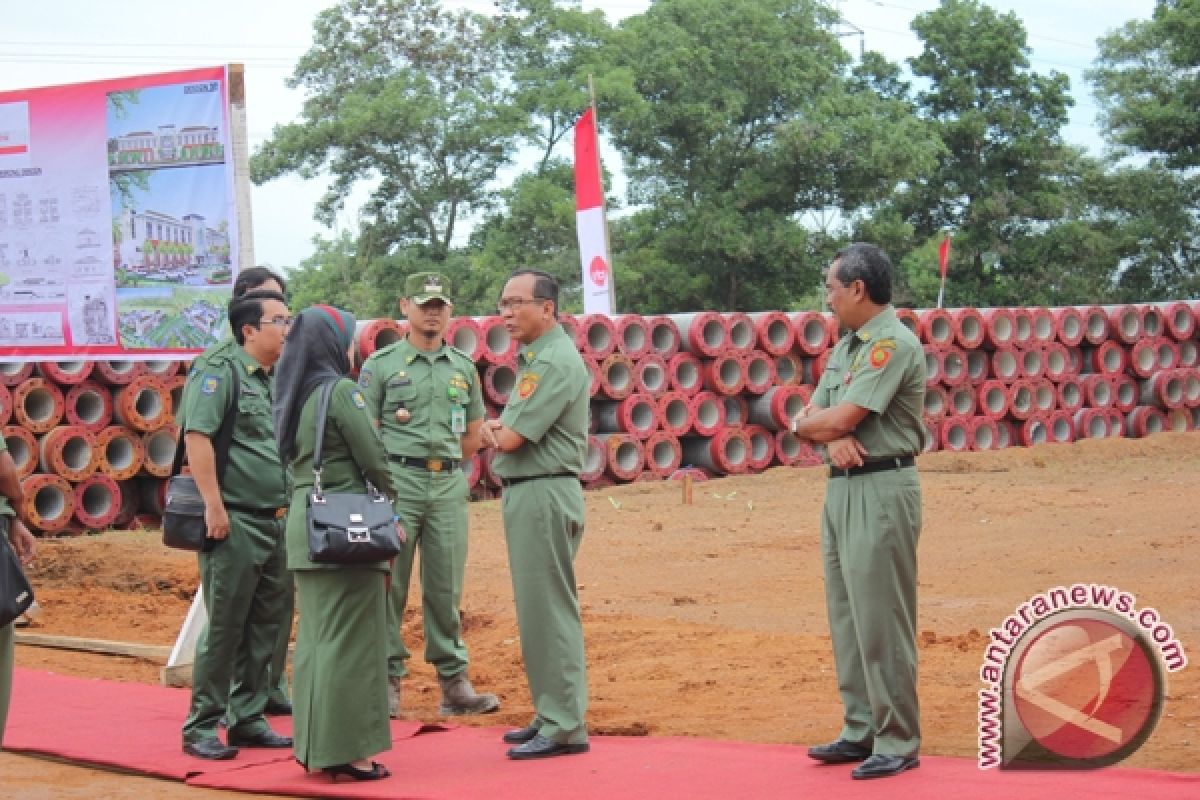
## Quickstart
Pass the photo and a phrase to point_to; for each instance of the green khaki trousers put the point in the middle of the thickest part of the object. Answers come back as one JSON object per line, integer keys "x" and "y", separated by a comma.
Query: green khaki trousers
{"x": 869, "y": 531}
{"x": 245, "y": 587}
{"x": 543, "y": 526}
{"x": 432, "y": 506}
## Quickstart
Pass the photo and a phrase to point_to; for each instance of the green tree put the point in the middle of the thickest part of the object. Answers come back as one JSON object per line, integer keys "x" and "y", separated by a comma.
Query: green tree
{"x": 1147, "y": 79}
{"x": 744, "y": 128}
{"x": 405, "y": 97}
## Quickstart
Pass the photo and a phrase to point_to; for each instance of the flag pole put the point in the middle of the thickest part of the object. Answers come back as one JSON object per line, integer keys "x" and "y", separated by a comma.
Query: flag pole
{"x": 612, "y": 283}
{"x": 942, "y": 291}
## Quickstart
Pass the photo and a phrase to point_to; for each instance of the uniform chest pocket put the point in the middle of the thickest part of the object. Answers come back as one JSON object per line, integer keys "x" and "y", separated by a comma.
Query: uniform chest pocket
{"x": 254, "y": 409}
{"x": 399, "y": 393}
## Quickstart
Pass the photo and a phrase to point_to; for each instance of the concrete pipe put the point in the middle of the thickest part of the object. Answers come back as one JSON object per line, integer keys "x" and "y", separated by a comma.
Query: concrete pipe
{"x": 1143, "y": 421}
{"x": 773, "y": 332}
{"x": 674, "y": 414}
{"x": 599, "y": 336}
{"x": 1108, "y": 358}
{"x": 664, "y": 454}
{"x": 1095, "y": 325}
{"x": 737, "y": 410}
{"x": 69, "y": 451}
{"x": 1178, "y": 320}
{"x": 1179, "y": 420}
{"x": 128, "y": 506}
{"x": 811, "y": 333}
{"x": 65, "y": 373}
{"x": 616, "y": 377}
{"x": 153, "y": 497}
{"x": 498, "y": 381}
{"x": 498, "y": 346}
{"x": 570, "y": 326}
{"x": 963, "y": 401}
{"x": 1045, "y": 396}
{"x": 13, "y": 373}
{"x": 635, "y": 415}
{"x": 593, "y": 375}
{"x": 999, "y": 328}
{"x": 1022, "y": 327}
{"x": 725, "y": 453}
{"x": 1124, "y": 323}
{"x": 22, "y": 445}
{"x": 1152, "y": 320}
{"x": 633, "y": 335}
{"x": 1070, "y": 395}
{"x": 1044, "y": 329}
{"x": 1032, "y": 363}
{"x": 1125, "y": 393}
{"x": 979, "y": 366}
{"x": 1068, "y": 326}
{"x": 1143, "y": 358}
{"x": 1006, "y": 364}
{"x": 708, "y": 413}
{"x": 1098, "y": 391}
{"x": 1060, "y": 427}
{"x": 684, "y": 375}
{"x": 759, "y": 371}
{"x": 1168, "y": 354}
{"x": 935, "y": 326}
{"x": 983, "y": 434}
{"x": 375, "y": 334}
{"x": 173, "y": 388}
{"x": 937, "y": 402}
{"x": 1032, "y": 431}
{"x": 1006, "y": 437}
{"x": 594, "y": 461}
{"x": 793, "y": 452}
{"x": 954, "y": 370}
{"x": 1163, "y": 390}
{"x": 90, "y": 405}
{"x": 1021, "y": 400}
{"x": 121, "y": 452}
{"x": 742, "y": 334}
{"x": 1116, "y": 422}
{"x": 5, "y": 405}
{"x": 625, "y": 457}
{"x": 933, "y": 365}
{"x": 159, "y": 448}
{"x": 907, "y": 317}
{"x": 703, "y": 334}
{"x": 97, "y": 502}
{"x": 969, "y": 328}
{"x": 664, "y": 336}
{"x": 1191, "y": 387}
{"x": 724, "y": 374}
{"x": 650, "y": 375}
{"x": 49, "y": 502}
{"x": 932, "y": 438}
{"x": 465, "y": 334}
{"x": 143, "y": 404}
{"x": 775, "y": 408}
{"x": 789, "y": 369}
{"x": 38, "y": 404}
{"x": 1056, "y": 361}
{"x": 117, "y": 373}
{"x": 993, "y": 397}
{"x": 762, "y": 447}
{"x": 1091, "y": 423}
{"x": 954, "y": 434}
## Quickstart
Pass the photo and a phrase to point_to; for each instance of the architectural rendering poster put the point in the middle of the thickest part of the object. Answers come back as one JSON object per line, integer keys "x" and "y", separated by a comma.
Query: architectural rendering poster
{"x": 118, "y": 234}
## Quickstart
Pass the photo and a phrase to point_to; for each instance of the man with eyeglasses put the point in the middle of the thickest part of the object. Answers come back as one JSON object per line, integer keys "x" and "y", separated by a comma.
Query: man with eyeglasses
{"x": 424, "y": 395}
{"x": 244, "y": 579}
{"x": 541, "y": 439}
{"x": 260, "y": 278}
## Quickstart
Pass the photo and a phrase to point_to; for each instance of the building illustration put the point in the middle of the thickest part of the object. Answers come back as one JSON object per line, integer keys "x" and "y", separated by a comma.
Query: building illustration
{"x": 168, "y": 145}
{"x": 157, "y": 245}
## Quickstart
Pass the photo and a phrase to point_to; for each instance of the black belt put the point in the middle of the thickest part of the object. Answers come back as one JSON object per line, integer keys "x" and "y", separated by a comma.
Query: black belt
{"x": 262, "y": 513}
{"x": 507, "y": 482}
{"x": 431, "y": 464}
{"x": 899, "y": 462}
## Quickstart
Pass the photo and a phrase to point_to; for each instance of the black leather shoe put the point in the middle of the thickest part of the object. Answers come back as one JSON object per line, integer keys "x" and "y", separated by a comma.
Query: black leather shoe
{"x": 280, "y": 708}
{"x": 881, "y": 766}
{"x": 267, "y": 738}
{"x": 212, "y": 749}
{"x": 541, "y": 747}
{"x": 520, "y": 735}
{"x": 839, "y": 752}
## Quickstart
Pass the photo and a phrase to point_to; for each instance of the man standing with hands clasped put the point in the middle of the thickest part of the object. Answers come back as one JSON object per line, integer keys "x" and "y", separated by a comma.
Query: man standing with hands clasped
{"x": 867, "y": 412}
{"x": 542, "y": 439}
{"x": 424, "y": 395}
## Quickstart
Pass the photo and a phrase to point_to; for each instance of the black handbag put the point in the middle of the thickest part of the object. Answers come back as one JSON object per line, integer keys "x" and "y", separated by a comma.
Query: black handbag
{"x": 347, "y": 527}
{"x": 16, "y": 595}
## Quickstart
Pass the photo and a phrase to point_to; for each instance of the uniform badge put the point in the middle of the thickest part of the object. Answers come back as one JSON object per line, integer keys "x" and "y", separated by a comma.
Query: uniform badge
{"x": 364, "y": 378}
{"x": 881, "y": 353}
{"x": 357, "y": 398}
{"x": 525, "y": 388}
{"x": 209, "y": 384}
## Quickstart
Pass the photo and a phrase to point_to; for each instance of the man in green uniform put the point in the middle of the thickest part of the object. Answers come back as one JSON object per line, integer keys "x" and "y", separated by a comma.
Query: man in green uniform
{"x": 542, "y": 439}
{"x": 250, "y": 279}
{"x": 24, "y": 546}
{"x": 244, "y": 577}
{"x": 424, "y": 395}
{"x": 867, "y": 412}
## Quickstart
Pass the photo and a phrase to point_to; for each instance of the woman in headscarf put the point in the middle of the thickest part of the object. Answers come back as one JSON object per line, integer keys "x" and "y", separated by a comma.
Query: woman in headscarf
{"x": 340, "y": 688}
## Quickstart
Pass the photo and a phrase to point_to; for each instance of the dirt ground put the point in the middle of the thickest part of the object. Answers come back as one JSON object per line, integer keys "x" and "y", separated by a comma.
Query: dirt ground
{"x": 708, "y": 620}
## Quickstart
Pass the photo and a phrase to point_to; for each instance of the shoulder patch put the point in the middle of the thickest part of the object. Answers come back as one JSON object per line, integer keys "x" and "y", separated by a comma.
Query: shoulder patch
{"x": 209, "y": 384}
{"x": 881, "y": 353}
{"x": 357, "y": 398}
{"x": 527, "y": 385}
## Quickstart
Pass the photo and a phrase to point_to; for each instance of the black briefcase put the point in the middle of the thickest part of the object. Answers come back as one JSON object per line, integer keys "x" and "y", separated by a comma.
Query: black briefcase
{"x": 183, "y": 522}
{"x": 16, "y": 595}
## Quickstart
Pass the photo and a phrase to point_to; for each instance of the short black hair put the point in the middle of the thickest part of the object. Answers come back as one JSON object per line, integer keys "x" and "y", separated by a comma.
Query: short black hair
{"x": 253, "y": 277}
{"x": 248, "y": 310}
{"x": 545, "y": 286}
{"x": 867, "y": 263}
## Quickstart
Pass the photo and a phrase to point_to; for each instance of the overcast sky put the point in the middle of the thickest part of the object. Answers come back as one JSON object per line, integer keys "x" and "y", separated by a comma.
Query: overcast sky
{"x": 70, "y": 41}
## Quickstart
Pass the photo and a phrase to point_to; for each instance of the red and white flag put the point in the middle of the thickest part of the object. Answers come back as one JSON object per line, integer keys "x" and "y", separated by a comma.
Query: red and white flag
{"x": 589, "y": 220}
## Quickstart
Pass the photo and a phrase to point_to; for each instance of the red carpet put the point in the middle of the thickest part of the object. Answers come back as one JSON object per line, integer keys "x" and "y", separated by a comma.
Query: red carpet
{"x": 136, "y": 727}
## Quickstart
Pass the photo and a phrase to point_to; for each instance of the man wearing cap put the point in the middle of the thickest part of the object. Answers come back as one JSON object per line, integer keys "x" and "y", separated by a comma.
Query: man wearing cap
{"x": 424, "y": 395}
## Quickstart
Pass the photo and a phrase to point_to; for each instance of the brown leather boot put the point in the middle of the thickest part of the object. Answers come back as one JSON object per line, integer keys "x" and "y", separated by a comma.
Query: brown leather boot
{"x": 393, "y": 697}
{"x": 458, "y": 697}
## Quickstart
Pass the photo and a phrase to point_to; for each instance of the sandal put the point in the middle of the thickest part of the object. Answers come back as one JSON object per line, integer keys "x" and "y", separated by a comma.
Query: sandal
{"x": 376, "y": 772}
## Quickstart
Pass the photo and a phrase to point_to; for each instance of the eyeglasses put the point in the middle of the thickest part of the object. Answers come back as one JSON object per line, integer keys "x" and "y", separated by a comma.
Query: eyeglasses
{"x": 513, "y": 303}
{"x": 283, "y": 322}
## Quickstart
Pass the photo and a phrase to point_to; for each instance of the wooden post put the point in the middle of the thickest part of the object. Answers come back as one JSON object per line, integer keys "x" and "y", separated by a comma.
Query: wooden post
{"x": 687, "y": 488}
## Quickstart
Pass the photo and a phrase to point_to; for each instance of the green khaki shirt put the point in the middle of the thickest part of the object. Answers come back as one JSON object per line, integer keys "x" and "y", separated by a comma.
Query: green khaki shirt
{"x": 6, "y": 510}
{"x": 879, "y": 367}
{"x": 433, "y": 387}
{"x": 549, "y": 408}
{"x": 254, "y": 478}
